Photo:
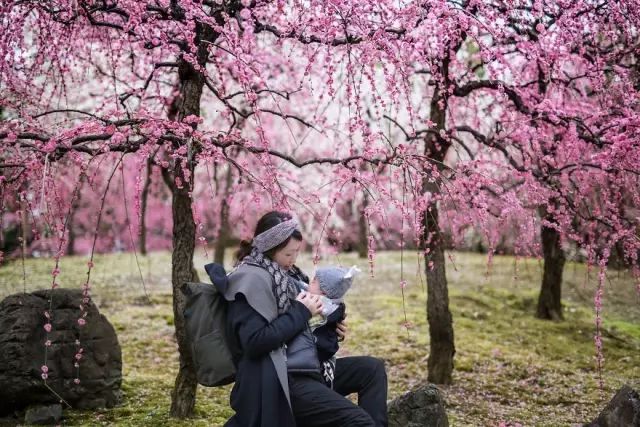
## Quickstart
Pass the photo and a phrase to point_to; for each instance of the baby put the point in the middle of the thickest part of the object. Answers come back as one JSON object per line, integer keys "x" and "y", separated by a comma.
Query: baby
{"x": 332, "y": 283}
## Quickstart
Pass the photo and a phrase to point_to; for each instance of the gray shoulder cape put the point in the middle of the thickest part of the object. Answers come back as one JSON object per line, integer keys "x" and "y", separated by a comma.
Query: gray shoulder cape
{"x": 255, "y": 283}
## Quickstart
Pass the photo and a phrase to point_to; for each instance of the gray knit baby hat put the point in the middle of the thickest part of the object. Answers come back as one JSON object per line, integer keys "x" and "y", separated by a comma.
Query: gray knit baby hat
{"x": 335, "y": 281}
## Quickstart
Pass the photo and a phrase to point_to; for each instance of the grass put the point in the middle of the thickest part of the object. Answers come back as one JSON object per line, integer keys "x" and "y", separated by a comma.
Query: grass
{"x": 509, "y": 366}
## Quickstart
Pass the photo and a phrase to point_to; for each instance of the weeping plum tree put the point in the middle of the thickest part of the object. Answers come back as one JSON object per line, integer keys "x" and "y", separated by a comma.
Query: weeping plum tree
{"x": 270, "y": 88}
{"x": 144, "y": 59}
{"x": 509, "y": 91}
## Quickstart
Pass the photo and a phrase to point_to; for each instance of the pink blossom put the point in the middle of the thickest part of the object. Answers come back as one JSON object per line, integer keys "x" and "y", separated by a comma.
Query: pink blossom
{"x": 246, "y": 14}
{"x": 192, "y": 120}
{"x": 575, "y": 137}
{"x": 47, "y": 327}
{"x": 81, "y": 322}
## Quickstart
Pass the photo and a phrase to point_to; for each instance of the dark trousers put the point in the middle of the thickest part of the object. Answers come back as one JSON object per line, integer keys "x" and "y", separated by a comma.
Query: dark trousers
{"x": 316, "y": 405}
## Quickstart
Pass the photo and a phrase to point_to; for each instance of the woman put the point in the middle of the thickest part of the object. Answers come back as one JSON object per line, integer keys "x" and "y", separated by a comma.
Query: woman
{"x": 278, "y": 381}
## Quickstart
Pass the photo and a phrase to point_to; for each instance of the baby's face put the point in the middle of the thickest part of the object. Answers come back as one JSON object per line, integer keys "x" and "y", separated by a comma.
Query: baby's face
{"x": 314, "y": 287}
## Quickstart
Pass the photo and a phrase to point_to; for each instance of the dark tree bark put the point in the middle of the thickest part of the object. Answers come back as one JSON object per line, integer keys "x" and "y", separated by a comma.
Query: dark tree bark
{"x": 184, "y": 227}
{"x": 143, "y": 209}
{"x": 24, "y": 226}
{"x": 222, "y": 242}
{"x": 71, "y": 241}
{"x": 363, "y": 241}
{"x": 72, "y": 227}
{"x": 224, "y": 235}
{"x": 441, "y": 339}
{"x": 549, "y": 300}
{"x": 183, "y": 396}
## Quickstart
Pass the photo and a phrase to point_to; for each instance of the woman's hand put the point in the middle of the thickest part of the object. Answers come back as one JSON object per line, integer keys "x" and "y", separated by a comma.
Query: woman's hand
{"x": 312, "y": 302}
{"x": 341, "y": 328}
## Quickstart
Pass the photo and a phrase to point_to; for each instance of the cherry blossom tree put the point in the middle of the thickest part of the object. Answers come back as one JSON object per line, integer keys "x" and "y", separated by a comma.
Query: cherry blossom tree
{"x": 265, "y": 99}
{"x": 143, "y": 69}
{"x": 510, "y": 86}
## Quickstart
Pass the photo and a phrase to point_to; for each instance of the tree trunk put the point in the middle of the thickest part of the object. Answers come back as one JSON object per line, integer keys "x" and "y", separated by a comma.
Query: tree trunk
{"x": 222, "y": 242}
{"x": 184, "y": 227}
{"x": 363, "y": 240}
{"x": 224, "y": 235}
{"x": 143, "y": 210}
{"x": 549, "y": 301}
{"x": 183, "y": 397}
{"x": 441, "y": 339}
{"x": 71, "y": 242}
{"x": 549, "y": 304}
{"x": 25, "y": 227}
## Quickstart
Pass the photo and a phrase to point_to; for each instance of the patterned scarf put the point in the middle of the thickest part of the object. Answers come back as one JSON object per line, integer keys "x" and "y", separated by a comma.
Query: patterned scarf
{"x": 283, "y": 287}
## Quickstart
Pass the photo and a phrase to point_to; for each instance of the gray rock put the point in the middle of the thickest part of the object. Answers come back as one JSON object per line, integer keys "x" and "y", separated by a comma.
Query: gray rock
{"x": 22, "y": 353}
{"x": 423, "y": 406}
{"x": 11, "y": 420}
{"x": 622, "y": 411}
{"x": 43, "y": 414}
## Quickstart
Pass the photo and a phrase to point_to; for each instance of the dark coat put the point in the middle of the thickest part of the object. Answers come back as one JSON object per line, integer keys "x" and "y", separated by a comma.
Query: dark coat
{"x": 302, "y": 354}
{"x": 257, "y": 396}
{"x": 326, "y": 335}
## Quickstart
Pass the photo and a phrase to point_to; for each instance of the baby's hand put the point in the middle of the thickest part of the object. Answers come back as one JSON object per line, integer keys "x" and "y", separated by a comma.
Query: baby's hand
{"x": 312, "y": 302}
{"x": 341, "y": 329}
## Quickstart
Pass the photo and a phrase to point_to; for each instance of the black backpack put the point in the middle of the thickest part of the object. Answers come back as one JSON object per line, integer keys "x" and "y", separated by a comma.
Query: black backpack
{"x": 205, "y": 317}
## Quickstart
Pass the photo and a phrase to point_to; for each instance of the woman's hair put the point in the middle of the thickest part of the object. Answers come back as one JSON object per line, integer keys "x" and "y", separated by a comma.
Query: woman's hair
{"x": 266, "y": 222}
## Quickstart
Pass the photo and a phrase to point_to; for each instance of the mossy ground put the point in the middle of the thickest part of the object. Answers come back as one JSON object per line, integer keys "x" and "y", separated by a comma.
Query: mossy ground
{"x": 509, "y": 366}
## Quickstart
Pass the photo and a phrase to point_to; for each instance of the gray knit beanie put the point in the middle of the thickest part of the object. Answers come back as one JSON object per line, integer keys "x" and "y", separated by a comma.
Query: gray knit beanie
{"x": 335, "y": 281}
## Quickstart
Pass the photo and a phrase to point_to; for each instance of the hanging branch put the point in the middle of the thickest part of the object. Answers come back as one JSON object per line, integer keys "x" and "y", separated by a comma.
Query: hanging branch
{"x": 133, "y": 245}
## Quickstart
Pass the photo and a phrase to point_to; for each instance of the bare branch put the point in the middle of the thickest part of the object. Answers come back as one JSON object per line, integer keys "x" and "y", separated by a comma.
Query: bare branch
{"x": 490, "y": 142}
{"x": 348, "y": 39}
{"x": 157, "y": 65}
{"x": 469, "y": 87}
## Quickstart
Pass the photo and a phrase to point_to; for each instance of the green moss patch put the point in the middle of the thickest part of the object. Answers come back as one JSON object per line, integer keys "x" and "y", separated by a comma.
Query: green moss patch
{"x": 509, "y": 366}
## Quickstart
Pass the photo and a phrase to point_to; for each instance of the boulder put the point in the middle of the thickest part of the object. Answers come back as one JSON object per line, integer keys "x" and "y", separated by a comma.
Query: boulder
{"x": 43, "y": 414}
{"x": 423, "y": 406}
{"x": 22, "y": 353}
{"x": 622, "y": 411}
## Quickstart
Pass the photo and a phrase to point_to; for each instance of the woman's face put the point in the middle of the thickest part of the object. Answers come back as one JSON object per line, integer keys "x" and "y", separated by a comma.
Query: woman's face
{"x": 286, "y": 257}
